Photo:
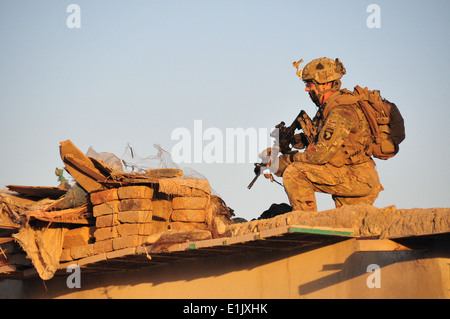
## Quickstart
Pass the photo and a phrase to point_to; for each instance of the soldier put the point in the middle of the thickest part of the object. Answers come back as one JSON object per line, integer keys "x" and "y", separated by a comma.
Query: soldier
{"x": 339, "y": 161}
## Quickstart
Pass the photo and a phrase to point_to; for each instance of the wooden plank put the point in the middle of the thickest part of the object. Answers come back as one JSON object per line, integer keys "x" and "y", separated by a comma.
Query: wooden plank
{"x": 124, "y": 181}
{"x": 10, "y": 226}
{"x": 322, "y": 231}
{"x": 66, "y": 216}
{"x": 217, "y": 242}
{"x": 91, "y": 259}
{"x": 243, "y": 238}
{"x": 86, "y": 181}
{"x": 269, "y": 240}
{"x": 121, "y": 253}
{"x": 5, "y": 240}
{"x": 164, "y": 172}
{"x": 85, "y": 168}
{"x": 38, "y": 191}
{"x": 275, "y": 231}
{"x": 101, "y": 166}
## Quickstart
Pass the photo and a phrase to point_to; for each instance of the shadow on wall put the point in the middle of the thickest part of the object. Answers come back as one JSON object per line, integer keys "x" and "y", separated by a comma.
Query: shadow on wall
{"x": 109, "y": 284}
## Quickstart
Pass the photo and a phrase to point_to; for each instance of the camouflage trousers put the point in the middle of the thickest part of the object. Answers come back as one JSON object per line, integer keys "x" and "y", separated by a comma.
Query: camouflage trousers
{"x": 348, "y": 185}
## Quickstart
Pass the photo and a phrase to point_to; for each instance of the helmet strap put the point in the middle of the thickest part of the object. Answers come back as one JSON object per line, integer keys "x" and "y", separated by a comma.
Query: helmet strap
{"x": 316, "y": 97}
{"x": 335, "y": 86}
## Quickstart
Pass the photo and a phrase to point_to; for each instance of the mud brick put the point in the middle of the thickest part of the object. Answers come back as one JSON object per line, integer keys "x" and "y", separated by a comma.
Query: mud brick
{"x": 160, "y": 226}
{"x": 104, "y": 196}
{"x": 107, "y": 221}
{"x": 106, "y": 208}
{"x": 135, "y": 217}
{"x": 147, "y": 229}
{"x": 162, "y": 209}
{"x": 128, "y": 192}
{"x": 105, "y": 233}
{"x": 128, "y": 241}
{"x": 103, "y": 246}
{"x": 135, "y": 229}
{"x": 135, "y": 204}
{"x": 198, "y": 193}
{"x": 78, "y": 237}
{"x": 187, "y": 226}
{"x": 190, "y": 202}
{"x": 65, "y": 255}
{"x": 189, "y": 215}
{"x": 82, "y": 251}
{"x": 125, "y": 230}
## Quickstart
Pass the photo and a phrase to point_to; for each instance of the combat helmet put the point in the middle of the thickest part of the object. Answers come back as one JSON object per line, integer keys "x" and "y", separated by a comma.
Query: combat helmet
{"x": 321, "y": 70}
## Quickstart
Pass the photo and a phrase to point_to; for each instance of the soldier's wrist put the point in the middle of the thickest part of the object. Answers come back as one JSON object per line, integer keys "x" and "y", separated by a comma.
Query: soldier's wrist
{"x": 296, "y": 157}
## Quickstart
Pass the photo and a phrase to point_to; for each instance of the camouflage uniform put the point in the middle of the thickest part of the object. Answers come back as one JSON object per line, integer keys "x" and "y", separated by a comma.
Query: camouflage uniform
{"x": 338, "y": 161}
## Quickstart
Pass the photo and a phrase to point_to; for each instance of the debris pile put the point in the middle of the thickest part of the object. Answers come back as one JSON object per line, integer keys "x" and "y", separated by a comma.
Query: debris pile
{"x": 106, "y": 210}
{"x": 114, "y": 220}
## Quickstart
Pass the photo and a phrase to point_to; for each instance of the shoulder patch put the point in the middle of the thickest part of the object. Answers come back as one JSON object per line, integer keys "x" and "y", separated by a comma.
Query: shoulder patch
{"x": 328, "y": 134}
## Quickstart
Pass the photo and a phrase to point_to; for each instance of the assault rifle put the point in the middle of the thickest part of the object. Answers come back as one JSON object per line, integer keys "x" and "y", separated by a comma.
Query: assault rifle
{"x": 285, "y": 139}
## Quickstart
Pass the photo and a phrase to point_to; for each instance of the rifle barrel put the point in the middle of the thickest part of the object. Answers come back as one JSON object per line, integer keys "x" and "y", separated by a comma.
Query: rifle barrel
{"x": 253, "y": 181}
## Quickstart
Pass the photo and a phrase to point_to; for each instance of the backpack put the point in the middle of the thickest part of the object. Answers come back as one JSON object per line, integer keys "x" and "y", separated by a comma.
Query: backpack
{"x": 385, "y": 121}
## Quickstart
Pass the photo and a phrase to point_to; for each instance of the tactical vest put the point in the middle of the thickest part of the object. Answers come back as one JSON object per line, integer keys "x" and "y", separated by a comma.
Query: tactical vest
{"x": 356, "y": 147}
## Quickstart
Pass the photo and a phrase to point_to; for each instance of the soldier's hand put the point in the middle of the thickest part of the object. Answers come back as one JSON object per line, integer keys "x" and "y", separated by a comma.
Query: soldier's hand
{"x": 265, "y": 155}
{"x": 279, "y": 164}
{"x": 300, "y": 141}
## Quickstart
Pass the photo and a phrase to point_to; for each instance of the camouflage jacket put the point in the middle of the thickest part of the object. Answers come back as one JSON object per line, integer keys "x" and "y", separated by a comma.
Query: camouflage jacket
{"x": 343, "y": 133}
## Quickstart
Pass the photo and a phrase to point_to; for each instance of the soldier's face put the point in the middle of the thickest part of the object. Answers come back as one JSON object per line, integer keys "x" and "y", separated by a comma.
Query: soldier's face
{"x": 309, "y": 86}
{"x": 314, "y": 93}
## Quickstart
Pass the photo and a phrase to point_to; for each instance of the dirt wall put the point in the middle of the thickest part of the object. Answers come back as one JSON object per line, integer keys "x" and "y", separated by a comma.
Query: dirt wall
{"x": 336, "y": 271}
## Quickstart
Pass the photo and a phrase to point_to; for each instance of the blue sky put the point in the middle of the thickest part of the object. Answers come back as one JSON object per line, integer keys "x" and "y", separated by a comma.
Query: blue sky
{"x": 137, "y": 70}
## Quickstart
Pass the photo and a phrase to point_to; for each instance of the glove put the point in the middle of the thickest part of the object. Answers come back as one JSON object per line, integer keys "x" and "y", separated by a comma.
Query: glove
{"x": 269, "y": 154}
{"x": 265, "y": 155}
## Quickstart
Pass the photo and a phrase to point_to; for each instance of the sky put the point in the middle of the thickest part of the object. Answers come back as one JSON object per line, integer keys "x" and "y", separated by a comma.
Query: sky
{"x": 109, "y": 74}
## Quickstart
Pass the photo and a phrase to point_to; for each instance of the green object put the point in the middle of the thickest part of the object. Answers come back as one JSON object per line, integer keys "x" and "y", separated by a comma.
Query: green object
{"x": 321, "y": 231}
{"x": 60, "y": 173}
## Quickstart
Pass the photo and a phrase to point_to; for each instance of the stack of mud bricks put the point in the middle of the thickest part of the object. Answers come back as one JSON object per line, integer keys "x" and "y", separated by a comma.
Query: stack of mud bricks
{"x": 124, "y": 218}
{"x": 189, "y": 213}
{"x": 127, "y": 215}
{"x": 78, "y": 243}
